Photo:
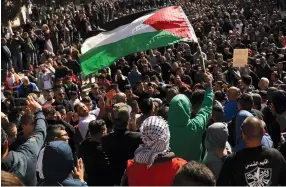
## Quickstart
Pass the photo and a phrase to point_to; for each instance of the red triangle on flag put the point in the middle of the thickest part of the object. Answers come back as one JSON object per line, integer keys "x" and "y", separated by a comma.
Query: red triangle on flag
{"x": 171, "y": 19}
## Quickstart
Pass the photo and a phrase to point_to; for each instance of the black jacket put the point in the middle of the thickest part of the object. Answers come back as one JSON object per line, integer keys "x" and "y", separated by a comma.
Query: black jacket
{"x": 120, "y": 146}
{"x": 95, "y": 162}
{"x": 22, "y": 162}
{"x": 258, "y": 166}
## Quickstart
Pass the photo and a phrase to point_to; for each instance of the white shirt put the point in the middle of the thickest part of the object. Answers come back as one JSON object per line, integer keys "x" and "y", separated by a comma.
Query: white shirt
{"x": 73, "y": 103}
{"x": 83, "y": 124}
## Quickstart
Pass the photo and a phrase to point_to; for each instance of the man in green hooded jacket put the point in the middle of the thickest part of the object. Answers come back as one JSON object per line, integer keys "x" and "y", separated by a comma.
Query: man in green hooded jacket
{"x": 186, "y": 133}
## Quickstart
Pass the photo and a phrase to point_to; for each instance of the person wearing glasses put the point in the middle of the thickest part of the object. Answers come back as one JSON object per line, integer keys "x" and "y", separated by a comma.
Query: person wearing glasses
{"x": 54, "y": 133}
{"x": 60, "y": 100}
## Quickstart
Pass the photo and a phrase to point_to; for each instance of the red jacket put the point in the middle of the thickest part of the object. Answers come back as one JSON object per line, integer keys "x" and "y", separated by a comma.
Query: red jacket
{"x": 159, "y": 174}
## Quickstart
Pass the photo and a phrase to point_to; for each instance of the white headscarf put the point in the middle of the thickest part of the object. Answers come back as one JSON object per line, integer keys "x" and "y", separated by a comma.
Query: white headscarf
{"x": 156, "y": 140}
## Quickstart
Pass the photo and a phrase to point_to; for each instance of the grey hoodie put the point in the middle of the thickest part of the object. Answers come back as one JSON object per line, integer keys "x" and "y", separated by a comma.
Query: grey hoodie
{"x": 216, "y": 137}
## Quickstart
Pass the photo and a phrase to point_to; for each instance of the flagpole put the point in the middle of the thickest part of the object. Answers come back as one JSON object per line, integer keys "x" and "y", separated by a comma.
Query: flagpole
{"x": 203, "y": 59}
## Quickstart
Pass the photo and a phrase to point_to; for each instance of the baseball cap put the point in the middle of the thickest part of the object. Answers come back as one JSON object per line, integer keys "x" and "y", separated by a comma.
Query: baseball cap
{"x": 120, "y": 115}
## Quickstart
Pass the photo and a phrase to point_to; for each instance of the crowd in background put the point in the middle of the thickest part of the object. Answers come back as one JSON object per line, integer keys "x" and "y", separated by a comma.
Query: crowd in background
{"x": 156, "y": 117}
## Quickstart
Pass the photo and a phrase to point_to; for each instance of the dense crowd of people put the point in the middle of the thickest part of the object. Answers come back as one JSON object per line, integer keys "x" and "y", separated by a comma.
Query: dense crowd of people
{"x": 157, "y": 117}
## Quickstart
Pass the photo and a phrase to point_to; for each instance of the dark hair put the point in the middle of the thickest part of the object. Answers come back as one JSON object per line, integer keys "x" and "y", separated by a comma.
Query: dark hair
{"x": 58, "y": 79}
{"x": 194, "y": 174}
{"x": 154, "y": 78}
{"x": 50, "y": 110}
{"x": 96, "y": 126}
{"x": 59, "y": 107}
{"x": 146, "y": 106}
{"x": 4, "y": 138}
{"x": 86, "y": 100}
{"x": 217, "y": 112}
{"x": 182, "y": 89}
{"x": 9, "y": 179}
{"x": 101, "y": 76}
{"x": 8, "y": 127}
{"x": 26, "y": 119}
{"x": 188, "y": 93}
{"x": 8, "y": 93}
{"x": 145, "y": 77}
{"x": 114, "y": 86}
{"x": 257, "y": 100}
{"x": 58, "y": 89}
{"x": 127, "y": 87}
{"x": 197, "y": 99}
{"x": 220, "y": 96}
{"x": 52, "y": 131}
{"x": 73, "y": 93}
{"x": 68, "y": 77}
{"x": 246, "y": 79}
{"x": 263, "y": 95}
{"x": 108, "y": 121}
{"x": 163, "y": 112}
{"x": 246, "y": 101}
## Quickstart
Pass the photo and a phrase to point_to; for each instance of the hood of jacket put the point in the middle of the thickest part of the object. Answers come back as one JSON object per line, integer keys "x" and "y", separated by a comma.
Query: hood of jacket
{"x": 241, "y": 116}
{"x": 217, "y": 136}
{"x": 179, "y": 111}
{"x": 58, "y": 161}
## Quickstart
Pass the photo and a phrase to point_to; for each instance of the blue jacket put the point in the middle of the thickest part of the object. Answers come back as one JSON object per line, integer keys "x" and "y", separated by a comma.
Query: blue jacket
{"x": 230, "y": 109}
{"x": 240, "y": 144}
{"x": 133, "y": 78}
{"x": 58, "y": 163}
{"x": 22, "y": 162}
{"x": 32, "y": 87}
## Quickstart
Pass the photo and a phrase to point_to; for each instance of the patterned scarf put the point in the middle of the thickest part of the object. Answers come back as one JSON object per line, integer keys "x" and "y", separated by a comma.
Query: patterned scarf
{"x": 156, "y": 139}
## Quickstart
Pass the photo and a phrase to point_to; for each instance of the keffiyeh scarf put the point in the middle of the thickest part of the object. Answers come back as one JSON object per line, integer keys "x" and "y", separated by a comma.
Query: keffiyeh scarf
{"x": 156, "y": 140}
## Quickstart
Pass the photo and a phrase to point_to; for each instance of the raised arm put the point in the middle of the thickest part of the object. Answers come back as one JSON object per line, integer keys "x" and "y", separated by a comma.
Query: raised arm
{"x": 32, "y": 147}
{"x": 201, "y": 120}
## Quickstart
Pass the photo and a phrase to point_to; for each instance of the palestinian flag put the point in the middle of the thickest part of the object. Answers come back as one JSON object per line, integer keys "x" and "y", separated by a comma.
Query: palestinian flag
{"x": 156, "y": 29}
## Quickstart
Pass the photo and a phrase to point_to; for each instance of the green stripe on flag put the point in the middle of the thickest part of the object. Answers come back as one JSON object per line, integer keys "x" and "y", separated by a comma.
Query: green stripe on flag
{"x": 98, "y": 58}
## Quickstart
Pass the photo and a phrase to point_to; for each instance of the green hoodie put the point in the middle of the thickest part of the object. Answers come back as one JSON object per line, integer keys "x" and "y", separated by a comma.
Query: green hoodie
{"x": 186, "y": 133}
